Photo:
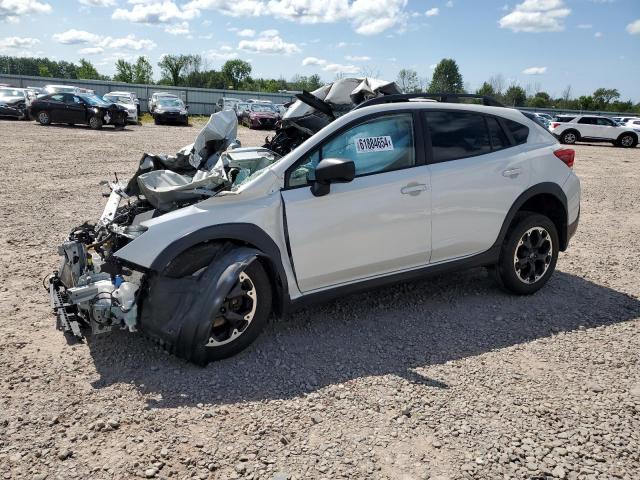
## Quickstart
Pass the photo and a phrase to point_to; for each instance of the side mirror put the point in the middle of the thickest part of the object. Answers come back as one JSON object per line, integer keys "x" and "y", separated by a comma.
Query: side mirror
{"x": 186, "y": 107}
{"x": 332, "y": 170}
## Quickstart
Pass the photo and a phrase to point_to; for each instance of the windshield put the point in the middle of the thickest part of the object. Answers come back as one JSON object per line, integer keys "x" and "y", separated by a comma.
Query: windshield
{"x": 52, "y": 89}
{"x": 255, "y": 107}
{"x": 94, "y": 100}
{"x": 11, "y": 92}
{"x": 170, "y": 102}
{"x": 117, "y": 98}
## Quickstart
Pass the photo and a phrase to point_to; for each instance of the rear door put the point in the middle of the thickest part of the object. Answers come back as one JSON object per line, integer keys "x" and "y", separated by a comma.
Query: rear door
{"x": 56, "y": 107}
{"x": 589, "y": 127}
{"x": 479, "y": 166}
{"x": 376, "y": 224}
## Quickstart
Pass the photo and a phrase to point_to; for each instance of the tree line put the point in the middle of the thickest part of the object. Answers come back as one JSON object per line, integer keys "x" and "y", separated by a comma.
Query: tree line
{"x": 193, "y": 71}
{"x": 447, "y": 78}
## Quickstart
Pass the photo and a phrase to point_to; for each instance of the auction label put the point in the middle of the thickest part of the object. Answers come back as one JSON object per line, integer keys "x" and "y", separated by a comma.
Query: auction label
{"x": 373, "y": 144}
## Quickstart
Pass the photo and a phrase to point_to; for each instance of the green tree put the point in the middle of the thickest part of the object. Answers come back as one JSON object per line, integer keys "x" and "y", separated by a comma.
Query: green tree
{"x": 446, "y": 78}
{"x": 124, "y": 71}
{"x": 486, "y": 90}
{"x": 87, "y": 71}
{"x": 586, "y": 102}
{"x": 515, "y": 96}
{"x": 43, "y": 71}
{"x": 236, "y": 71}
{"x": 408, "y": 81}
{"x": 173, "y": 66}
{"x": 602, "y": 97}
{"x": 540, "y": 100}
{"x": 142, "y": 71}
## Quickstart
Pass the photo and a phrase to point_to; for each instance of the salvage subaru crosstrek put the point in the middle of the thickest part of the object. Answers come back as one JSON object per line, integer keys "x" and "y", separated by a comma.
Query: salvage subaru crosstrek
{"x": 395, "y": 189}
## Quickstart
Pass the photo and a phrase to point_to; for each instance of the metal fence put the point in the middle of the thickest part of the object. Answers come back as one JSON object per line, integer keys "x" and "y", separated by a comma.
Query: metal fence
{"x": 201, "y": 101}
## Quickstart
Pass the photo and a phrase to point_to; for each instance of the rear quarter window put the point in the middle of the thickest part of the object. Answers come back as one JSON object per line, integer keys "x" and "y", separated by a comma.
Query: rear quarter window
{"x": 520, "y": 132}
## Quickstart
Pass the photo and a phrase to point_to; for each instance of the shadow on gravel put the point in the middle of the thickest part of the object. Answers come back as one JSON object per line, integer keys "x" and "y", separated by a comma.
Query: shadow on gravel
{"x": 386, "y": 331}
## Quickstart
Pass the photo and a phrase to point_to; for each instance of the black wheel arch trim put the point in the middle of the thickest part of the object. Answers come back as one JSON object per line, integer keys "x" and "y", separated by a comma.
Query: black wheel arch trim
{"x": 548, "y": 188}
{"x": 243, "y": 233}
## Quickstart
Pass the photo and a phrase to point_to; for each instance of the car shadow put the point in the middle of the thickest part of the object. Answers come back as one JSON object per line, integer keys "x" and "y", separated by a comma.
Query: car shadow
{"x": 393, "y": 330}
{"x": 80, "y": 126}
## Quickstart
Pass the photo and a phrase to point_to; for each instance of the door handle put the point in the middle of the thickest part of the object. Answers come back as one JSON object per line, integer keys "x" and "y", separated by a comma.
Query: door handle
{"x": 512, "y": 172}
{"x": 413, "y": 189}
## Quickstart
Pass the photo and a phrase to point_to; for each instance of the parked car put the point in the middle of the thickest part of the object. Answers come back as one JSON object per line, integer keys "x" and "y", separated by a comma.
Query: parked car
{"x": 281, "y": 108}
{"x": 153, "y": 101}
{"x": 227, "y": 103}
{"x": 78, "y": 109}
{"x": 593, "y": 128}
{"x": 633, "y": 123}
{"x": 256, "y": 100}
{"x": 542, "y": 121}
{"x": 14, "y": 102}
{"x": 259, "y": 115}
{"x": 170, "y": 110}
{"x": 367, "y": 201}
{"x": 49, "y": 89}
{"x": 240, "y": 108}
{"x": 127, "y": 100}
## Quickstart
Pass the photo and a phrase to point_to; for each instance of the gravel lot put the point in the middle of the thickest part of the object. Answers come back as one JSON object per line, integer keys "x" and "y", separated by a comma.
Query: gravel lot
{"x": 445, "y": 378}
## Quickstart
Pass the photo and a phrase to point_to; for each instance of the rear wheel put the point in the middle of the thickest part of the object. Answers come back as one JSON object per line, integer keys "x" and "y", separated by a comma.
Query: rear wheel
{"x": 569, "y": 137}
{"x": 529, "y": 254}
{"x": 241, "y": 318}
{"x": 156, "y": 121}
{"x": 44, "y": 118}
{"x": 95, "y": 122}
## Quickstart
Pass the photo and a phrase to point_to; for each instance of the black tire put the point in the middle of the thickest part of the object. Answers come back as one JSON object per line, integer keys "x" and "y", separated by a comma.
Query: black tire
{"x": 536, "y": 264}
{"x": 70, "y": 124}
{"x": 44, "y": 117}
{"x": 95, "y": 122}
{"x": 156, "y": 121}
{"x": 627, "y": 140}
{"x": 192, "y": 346}
{"x": 569, "y": 137}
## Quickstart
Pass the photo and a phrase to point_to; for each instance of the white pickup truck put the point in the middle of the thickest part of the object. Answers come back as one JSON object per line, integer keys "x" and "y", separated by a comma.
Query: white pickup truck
{"x": 570, "y": 129}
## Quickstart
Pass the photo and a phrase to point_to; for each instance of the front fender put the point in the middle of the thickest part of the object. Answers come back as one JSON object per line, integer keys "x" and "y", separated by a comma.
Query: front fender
{"x": 183, "y": 308}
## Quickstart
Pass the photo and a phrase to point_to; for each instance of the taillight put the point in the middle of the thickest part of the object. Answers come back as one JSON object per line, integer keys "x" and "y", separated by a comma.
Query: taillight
{"x": 554, "y": 124}
{"x": 567, "y": 155}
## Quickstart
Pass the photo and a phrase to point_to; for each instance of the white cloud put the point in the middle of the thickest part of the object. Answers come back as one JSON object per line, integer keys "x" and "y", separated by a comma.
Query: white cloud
{"x": 585, "y": 26}
{"x": 218, "y": 55}
{"x": 634, "y": 28}
{"x": 356, "y": 58}
{"x": 598, "y": 35}
{"x": 91, "y": 51}
{"x": 268, "y": 43}
{"x": 534, "y": 70}
{"x": 246, "y": 32}
{"x": 76, "y": 37}
{"x": 82, "y": 37}
{"x": 153, "y": 13}
{"x": 12, "y": 10}
{"x": 367, "y": 17}
{"x": 181, "y": 28}
{"x": 339, "y": 68}
{"x": 536, "y": 16}
{"x": 11, "y": 43}
{"x": 98, "y": 3}
{"x": 313, "y": 61}
{"x": 449, "y": 4}
{"x": 432, "y": 12}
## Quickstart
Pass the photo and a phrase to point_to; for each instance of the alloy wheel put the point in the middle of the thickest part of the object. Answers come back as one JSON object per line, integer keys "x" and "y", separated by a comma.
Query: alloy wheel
{"x": 570, "y": 138}
{"x": 43, "y": 117}
{"x": 236, "y": 313}
{"x": 626, "y": 141}
{"x": 533, "y": 255}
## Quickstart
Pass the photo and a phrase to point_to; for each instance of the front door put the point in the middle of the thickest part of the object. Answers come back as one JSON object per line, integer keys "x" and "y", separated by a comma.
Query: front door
{"x": 76, "y": 109}
{"x": 376, "y": 224}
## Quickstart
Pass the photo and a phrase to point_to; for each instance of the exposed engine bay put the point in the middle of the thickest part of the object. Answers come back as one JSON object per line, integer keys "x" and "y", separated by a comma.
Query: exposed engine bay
{"x": 90, "y": 289}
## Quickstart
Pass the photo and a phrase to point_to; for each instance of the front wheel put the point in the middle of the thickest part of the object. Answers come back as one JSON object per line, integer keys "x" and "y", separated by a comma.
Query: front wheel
{"x": 95, "y": 122}
{"x": 44, "y": 118}
{"x": 241, "y": 318}
{"x": 529, "y": 254}
{"x": 627, "y": 141}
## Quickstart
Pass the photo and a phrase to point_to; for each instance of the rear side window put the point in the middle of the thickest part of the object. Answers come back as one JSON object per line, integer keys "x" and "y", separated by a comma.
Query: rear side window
{"x": 520, "y": 132}
{"x": 564, "y": 119}
{"x": 457, "y": 135}
{"x": 588, "y": 121}
{"x": 498, "y": 138}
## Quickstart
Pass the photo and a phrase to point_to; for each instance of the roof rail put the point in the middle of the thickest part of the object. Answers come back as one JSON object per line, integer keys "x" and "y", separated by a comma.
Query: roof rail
{"x": 440, "y": 97}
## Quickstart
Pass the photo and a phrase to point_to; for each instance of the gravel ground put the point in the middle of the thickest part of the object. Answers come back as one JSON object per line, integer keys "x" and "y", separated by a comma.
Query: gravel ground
{"x": 444, "y": 378}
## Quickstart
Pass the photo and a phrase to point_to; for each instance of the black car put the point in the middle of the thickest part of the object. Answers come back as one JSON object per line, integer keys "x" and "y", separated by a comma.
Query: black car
{"x": 13, "y": 103}
{"x": 71, "y": 109}
{"x": 170, "y": 110}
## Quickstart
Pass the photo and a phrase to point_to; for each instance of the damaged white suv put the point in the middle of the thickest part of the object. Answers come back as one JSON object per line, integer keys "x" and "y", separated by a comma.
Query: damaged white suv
{"x": 393, "y": 190}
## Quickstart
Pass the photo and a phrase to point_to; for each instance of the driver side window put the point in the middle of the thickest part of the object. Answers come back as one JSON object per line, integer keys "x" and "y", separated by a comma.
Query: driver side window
{"x": 379, "y": 145}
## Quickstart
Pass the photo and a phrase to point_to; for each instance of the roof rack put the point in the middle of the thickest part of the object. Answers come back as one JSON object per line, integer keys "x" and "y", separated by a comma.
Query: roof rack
{"x": 440, "y": 97}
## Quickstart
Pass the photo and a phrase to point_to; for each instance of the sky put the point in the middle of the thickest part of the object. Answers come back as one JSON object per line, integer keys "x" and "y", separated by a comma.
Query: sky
{"x": 544, "y": 44}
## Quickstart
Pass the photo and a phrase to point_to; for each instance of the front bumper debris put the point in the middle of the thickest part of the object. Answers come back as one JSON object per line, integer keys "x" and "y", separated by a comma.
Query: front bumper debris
{"x": 67, "y": 319}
